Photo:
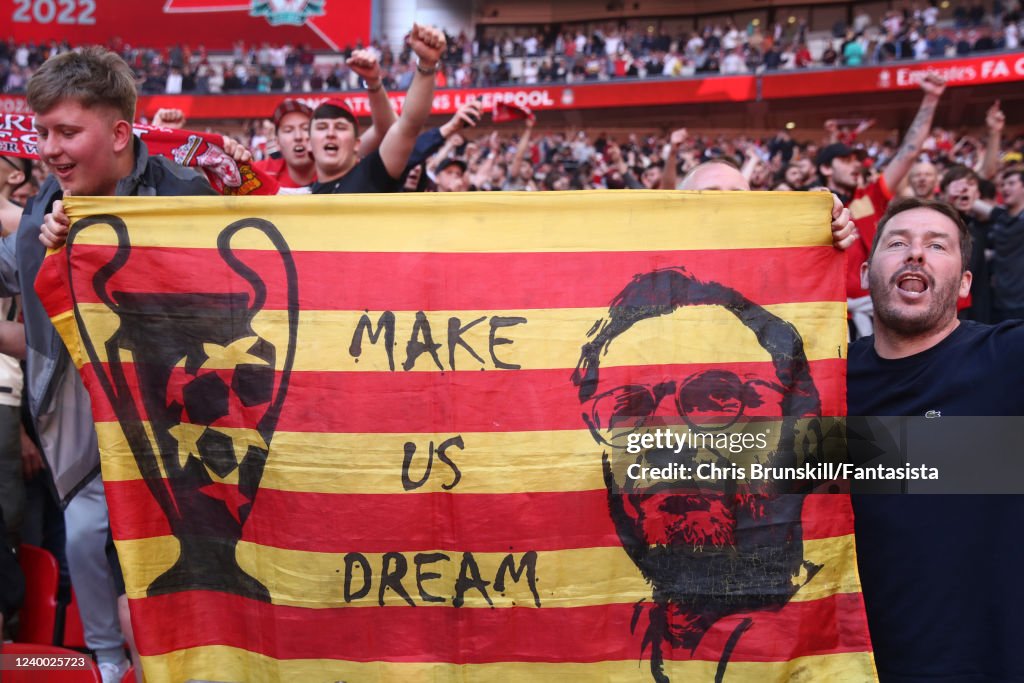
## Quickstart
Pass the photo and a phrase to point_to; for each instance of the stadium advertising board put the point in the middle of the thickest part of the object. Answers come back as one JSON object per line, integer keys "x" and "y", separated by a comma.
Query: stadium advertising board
{"x": 321, "y": 24}
{"x": 999, "y": 68}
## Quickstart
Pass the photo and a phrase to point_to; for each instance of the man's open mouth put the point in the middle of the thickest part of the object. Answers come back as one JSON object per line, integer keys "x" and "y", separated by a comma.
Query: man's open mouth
{"x": 914, "y": 283}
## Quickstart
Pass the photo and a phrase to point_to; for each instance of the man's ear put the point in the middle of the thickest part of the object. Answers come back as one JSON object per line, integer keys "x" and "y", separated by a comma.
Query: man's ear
{"x": 16, "y": 178}
{"x": 965, "y": 284}
{"x": 864, "y": 268}
{"x": 123, "y": 136}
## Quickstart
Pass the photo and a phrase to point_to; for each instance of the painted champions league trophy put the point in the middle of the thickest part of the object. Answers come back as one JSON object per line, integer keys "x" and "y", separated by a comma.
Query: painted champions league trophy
{"x": 211, "y": 391}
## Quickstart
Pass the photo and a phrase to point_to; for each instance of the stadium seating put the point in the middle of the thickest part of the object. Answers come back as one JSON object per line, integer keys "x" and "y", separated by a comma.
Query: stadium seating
{"x": 73, "y": 635}
{"x": 38, "y": 616}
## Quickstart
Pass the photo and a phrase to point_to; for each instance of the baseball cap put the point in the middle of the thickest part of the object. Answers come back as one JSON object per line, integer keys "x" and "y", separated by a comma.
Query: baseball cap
{"x": 836, "y": 151}
{"x": 334, "y": 108}
{"x": 451, "y": 162}
{"x": 290, "y": 106}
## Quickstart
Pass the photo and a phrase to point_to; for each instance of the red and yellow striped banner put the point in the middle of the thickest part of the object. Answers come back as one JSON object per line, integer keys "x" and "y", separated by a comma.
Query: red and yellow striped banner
{"x": 382, "y": 438}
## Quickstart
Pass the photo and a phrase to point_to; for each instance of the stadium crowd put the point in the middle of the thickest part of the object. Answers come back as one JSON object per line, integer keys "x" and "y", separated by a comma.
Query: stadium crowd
{"x": 562, "y": 54}
{"x": 327, "y": 150}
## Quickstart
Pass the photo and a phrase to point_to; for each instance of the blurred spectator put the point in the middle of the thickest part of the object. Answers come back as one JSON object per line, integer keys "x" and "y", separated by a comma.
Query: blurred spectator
{"x": 15, "y": 175}
{"x": 976, "y": 14}
{"x": 853, "y": 50}
{"x": 960, "y": 188}
{"x": 451, "y": 176}
{"x": 938, "y": 43}
{"x": 923, "y": 180}
{"x": 829, "y": 56}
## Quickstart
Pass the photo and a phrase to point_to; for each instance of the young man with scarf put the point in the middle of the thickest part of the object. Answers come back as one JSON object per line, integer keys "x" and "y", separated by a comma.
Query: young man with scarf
{"x": 85, "y": 104}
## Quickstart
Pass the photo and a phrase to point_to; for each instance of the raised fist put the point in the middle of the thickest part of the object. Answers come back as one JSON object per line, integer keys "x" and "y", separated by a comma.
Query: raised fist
{"x": 428, "y": 43}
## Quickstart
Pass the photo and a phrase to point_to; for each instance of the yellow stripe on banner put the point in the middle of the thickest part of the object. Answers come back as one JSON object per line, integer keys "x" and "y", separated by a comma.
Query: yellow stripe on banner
{"x": 67, "y": 328}
{"x": 563, "y": 578}
{"x": 544, "y": 339}
{"x": 568, "y": 460}
{"x": 488, "y": 462}
{"x": 480, "y": 222}
{"x": 223, "y": 663}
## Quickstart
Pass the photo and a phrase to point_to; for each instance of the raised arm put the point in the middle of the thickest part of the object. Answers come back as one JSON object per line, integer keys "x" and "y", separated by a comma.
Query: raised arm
{"x": 444, "y": 151}
{"x": 750, "y": 161}
{"x": 863, "y": 126}
{"x": 428, "y": 44}
{"x": 521, "y": 146}
{"x": 995, "y": 120}
{"x": 483, "y": 172}
{"x": 467, "y": 116}
{"x": 169, "y": 118}
{"x": 382, "y": 114}
{"x": 831, "y": 132}
{"x": 669, "y": 177}
{"x": 897, "y": 169}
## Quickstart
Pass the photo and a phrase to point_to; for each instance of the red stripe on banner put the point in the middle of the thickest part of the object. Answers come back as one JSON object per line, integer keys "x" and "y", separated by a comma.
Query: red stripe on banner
{"x": 52, "y": 286}
{"x": 166, "y": 623}
{"x": 406, "y": 522}
{"x": 410, "y": 522}
{"x": 450, "y": 282}
{"x": 462, "y": 401}
{"x": 826, "y": 515}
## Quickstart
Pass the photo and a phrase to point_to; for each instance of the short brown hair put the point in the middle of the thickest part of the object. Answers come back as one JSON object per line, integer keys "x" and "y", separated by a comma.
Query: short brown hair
{"x": 957, "y": 172}
{"x": 1017, "y": 170}
{"x": 93, "y": 77}
{"x": 898, "y": 206}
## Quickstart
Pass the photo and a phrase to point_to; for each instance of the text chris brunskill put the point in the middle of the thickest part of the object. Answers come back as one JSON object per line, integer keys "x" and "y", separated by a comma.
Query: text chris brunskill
{"x": 827, "y": 471}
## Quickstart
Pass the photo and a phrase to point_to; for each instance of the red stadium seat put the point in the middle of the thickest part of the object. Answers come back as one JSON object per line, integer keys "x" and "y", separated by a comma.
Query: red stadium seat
{"x": 38, "y": 616}
{"x": 73, "y": 635}
{"x": 91, "y": 674}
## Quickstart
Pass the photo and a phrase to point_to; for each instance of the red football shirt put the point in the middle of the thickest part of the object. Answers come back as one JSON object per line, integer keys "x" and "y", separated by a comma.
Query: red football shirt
{"x": 866, "y": 207}
{"x": 278, "y": 170}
